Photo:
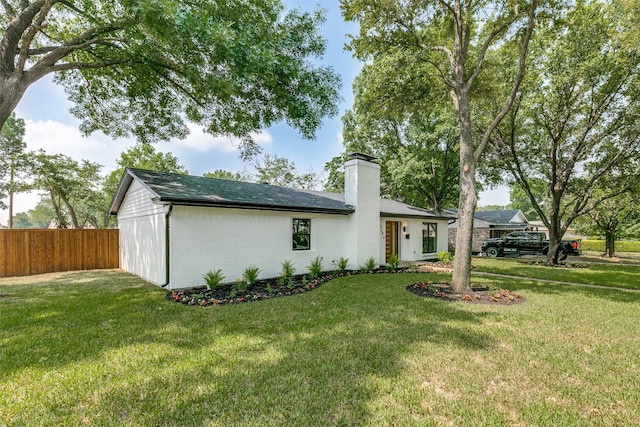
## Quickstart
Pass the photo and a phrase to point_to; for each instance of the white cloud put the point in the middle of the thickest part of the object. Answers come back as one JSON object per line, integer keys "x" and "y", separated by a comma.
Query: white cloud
{"x": 59, "y": 138}
{"x": 200, "y": 141}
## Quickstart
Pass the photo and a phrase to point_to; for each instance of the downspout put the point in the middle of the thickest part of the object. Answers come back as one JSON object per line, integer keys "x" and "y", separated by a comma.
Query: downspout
{"x": 167, "y": 260}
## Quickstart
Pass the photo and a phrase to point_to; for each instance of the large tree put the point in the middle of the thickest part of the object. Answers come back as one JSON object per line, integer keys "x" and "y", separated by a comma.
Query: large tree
{"x": 38, "y": 217}
{"x": 14, "y": 161}
{"x": 73, "y": 188}
{"x": 519, "y": 199}
{"x": 144, "y": 67}
{"x": 414, "y": 136}
{"x": 418, "y": 153}
{"x": 613, "y": 218}
{"x": 448, "y": 42}
{"x": 575, "y": 125}
{"x": 275, "y": 170}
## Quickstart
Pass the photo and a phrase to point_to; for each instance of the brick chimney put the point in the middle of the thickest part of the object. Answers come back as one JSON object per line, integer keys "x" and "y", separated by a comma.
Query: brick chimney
{"x": 362, "y": 192}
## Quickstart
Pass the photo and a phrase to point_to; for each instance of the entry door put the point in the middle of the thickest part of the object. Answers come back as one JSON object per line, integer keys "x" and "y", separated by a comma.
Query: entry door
{"x": 391, "y": 242}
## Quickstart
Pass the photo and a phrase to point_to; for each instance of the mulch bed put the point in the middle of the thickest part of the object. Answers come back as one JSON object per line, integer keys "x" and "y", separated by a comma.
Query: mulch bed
{"x": 479, "y": 295}
{"x": 230, "y": 294}
{"x": 273, "y": 288}
{"x": 263, "y": 289}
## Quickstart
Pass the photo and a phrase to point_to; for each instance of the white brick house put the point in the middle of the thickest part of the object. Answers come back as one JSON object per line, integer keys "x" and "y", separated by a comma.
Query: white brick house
{"x": 174, "y": 228}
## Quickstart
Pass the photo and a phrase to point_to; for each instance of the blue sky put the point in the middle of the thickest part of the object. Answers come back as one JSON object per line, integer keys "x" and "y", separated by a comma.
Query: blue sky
{"x": 50, "y": 125}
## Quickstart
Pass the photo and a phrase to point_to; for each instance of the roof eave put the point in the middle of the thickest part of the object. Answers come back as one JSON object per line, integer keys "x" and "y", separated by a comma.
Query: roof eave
{"x": 414, "y": 216}
{"x": 261, "y": 207}
{"x": 121, "y": 191}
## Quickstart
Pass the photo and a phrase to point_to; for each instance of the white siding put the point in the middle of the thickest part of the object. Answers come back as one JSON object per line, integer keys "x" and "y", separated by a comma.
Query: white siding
{"x": 362, "y": 190}
{"x": 142, "y": 235}
{"x": 411, "y": 248}
{"x": 203, "y": 239}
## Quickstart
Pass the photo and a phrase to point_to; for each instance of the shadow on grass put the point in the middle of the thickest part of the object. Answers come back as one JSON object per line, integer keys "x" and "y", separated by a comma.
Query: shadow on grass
{"x": 560, "y": 289}
{"x": 309, "y": 358}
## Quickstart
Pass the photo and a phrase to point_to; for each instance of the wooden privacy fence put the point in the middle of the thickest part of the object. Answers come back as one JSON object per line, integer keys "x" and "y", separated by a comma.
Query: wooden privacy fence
{"x": 35, "y": 251}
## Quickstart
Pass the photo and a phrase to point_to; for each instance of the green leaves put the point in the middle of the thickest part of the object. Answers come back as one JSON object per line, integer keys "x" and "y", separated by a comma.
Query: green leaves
{"x": 143, "y": 68}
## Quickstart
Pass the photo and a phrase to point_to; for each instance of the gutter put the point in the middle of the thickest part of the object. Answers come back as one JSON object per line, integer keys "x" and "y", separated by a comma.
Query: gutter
{"x": 167, "y": 219}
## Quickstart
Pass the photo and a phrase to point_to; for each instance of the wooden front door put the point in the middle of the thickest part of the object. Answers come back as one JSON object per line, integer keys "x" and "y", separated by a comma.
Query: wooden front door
{"x": 391, "y": 241}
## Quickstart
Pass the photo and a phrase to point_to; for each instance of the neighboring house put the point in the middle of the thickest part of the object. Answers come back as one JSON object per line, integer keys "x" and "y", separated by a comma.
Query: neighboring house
{"x": 489, "y": 224}
{"x": 174, "y": 228}
{"x": 571, "y": 233}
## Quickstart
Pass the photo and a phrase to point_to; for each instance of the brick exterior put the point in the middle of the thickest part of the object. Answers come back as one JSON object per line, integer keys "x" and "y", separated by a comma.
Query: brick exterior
{"x": 479, "y": 235}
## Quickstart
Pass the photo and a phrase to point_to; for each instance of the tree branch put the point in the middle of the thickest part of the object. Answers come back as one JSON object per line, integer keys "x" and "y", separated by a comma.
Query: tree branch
{"x": 12, "y": 34}
{"x": 516, "y": 85}
{"x": 8, "y": 10}
{"x": 31, "y": 32}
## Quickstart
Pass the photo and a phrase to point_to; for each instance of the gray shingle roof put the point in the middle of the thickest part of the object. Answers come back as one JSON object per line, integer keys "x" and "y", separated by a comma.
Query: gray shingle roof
{"x": 497, "y": 217}
{"x": 393, "y": 208}
{"x": 200, "y": 191}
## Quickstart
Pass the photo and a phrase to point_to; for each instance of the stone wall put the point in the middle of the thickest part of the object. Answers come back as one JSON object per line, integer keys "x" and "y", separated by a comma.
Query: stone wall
{"x": 479, "y": 236}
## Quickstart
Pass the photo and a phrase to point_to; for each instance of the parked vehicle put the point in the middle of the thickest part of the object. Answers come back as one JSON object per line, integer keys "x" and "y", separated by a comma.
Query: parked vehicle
{"x": 527, "y": 243}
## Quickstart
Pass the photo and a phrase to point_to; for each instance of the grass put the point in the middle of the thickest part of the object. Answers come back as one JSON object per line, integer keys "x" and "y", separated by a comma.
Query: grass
{"x": 602, "y": 274}
{"x": 105, "y": 348}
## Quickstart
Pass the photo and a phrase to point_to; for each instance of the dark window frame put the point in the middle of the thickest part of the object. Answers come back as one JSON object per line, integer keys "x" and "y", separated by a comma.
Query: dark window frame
{"x": 301, "y": 228}
{"x": 429, "y": 243}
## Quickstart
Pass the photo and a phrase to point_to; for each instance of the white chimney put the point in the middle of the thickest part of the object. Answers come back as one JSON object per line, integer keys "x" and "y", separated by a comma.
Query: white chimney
{"x": 362, "y": 192}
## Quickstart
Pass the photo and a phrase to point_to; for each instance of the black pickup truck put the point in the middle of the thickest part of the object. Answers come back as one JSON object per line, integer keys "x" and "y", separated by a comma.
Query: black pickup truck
{"x": 529, "y": 243}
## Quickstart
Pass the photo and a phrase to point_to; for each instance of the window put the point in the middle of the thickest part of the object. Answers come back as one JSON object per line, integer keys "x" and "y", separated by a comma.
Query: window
{"x": 429, "y": 237}
{"x": 301, "y": 234}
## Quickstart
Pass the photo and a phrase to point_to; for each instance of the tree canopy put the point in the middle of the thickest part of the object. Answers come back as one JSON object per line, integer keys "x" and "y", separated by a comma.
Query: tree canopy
{"x": 574, "y": 130}
{"x": 275, "y": 170}
{"x": 14, "y": 162}
{"x": 434, "y": 49}
{"x": 73, "y": 188}
{"x": 145, "y": 67}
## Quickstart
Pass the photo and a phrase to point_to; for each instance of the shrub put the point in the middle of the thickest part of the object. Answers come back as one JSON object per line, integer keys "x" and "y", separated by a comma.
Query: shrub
{"x": 341, "y": 264}
{"x": 315, "y": 268}
{"x": 240, "y": 285}
{"x": 213, "y": 279}
{"x": 394, "y": 262}
{"x": 369, "y": 264}
{"x": 599, "y": 245}
{"x": 287, "y": 272}
{"x": 445, "y": 256}
{"x": 250, "y": 275}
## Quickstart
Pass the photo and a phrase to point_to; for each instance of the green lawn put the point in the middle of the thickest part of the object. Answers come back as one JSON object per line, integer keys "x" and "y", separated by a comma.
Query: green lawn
{"x": 105, "y": 348}
{"x": 603, "y": 274}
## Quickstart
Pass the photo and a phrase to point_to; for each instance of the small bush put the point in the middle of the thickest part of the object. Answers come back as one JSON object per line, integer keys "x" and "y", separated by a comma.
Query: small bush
{"x": 287, "y": 272}
{"x": 394, "y": 262}
{"x": 445, "y": 256}
{"x": 240, "y": 285}
{"x": 341, "y": 264}
{"x": 213, "y": 279}
{"x": 369, "y": 264}
{"x": 315, "y": 268}
{"x": 250, "y": 275}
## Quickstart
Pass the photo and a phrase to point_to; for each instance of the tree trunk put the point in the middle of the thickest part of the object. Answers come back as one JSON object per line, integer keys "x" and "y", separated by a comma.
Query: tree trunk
{"x": 72, "y": 213}
{"x": 610, "y": 237}
{"x": 12, "y": 177}
{"x": 555, "y": 234}
{"x": 461, "y": 281}
{"x": 11, "y": 92}
{"x": 552, "y": 255}
{"x": 10, "y": 223}
{"x": 62, "y": 223}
